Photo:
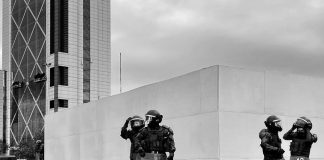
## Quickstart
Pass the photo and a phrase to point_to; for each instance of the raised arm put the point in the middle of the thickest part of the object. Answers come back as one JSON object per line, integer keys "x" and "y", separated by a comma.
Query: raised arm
{"x": 124, "y": 133}
{"x": 290, "y": 134}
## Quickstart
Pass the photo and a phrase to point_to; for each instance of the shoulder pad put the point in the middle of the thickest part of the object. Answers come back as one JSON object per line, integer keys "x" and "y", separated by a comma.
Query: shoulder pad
{"x": 264, "y": 133}
{"x": 167, "y": 128}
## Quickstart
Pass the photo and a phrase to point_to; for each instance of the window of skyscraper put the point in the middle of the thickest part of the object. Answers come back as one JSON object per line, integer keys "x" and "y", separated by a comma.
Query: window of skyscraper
{"x": 59, "y": 26}
{"x": 51, "y": 77}
{"x": 62, "y": 76}
{"x": 86, "y": 51}
{"x": 63, "y": 103}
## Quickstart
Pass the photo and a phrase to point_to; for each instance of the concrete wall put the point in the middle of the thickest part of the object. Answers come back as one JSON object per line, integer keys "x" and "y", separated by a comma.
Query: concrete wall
{"x": 247, "y": 97}
{"x": 216, "y": 113}
{"x": 91, "y": 131}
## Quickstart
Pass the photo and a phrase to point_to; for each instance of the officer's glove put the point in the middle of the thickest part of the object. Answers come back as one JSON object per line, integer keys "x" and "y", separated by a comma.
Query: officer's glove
{"x": 126, "y": 122}
{"x": 171, "y": 155}
{"x": 141, "y": 152}
{"x": 280, "y": 151}
{"x": 128, "y": 119}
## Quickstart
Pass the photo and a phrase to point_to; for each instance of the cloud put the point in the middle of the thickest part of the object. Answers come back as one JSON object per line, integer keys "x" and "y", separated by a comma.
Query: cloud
{"x": 163, "y": 39}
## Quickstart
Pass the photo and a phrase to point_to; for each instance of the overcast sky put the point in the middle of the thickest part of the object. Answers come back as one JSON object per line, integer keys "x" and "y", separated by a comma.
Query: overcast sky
{"x": 161, "y": 39}
{"x": 0, "y": 34}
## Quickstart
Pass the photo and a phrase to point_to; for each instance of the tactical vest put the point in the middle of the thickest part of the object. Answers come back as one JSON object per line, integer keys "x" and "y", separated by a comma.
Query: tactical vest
{"x": 300, "y": 147}
{"x": 156, "y": 140}
{"x": 273, "y": 140}
{"x": 133, "y": 134}
{"x": 133, "y": 152}
{"x": 276, "y": 142}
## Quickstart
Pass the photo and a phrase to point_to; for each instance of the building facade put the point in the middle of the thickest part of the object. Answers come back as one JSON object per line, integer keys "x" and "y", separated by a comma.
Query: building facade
{"x": 3, "y": 98}
{"x": 57, "y": 55}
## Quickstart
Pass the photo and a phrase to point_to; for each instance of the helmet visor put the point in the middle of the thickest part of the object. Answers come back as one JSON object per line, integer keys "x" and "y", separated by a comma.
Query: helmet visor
{"x": 148, "y": 119}
{"x": 277, "y": 123}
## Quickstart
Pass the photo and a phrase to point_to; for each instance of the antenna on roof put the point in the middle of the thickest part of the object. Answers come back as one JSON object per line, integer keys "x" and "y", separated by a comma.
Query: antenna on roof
{"x": 120, "y": 74}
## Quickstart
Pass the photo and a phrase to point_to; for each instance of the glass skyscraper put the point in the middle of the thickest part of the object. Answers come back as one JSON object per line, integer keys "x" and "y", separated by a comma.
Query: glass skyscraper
{"x": 57, "y": 55}
{"x": 3, "y": 119}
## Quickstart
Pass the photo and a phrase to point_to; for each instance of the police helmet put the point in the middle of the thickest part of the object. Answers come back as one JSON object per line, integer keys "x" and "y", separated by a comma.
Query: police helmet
{"x": 153, "y": 116}
{"x": 304, "y": 122}
{"x": 273, "y": 122}
{"x": 137, "y": 122}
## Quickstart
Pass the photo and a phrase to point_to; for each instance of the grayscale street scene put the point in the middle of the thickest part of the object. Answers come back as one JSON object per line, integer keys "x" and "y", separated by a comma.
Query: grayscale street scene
{"x": 162, "y": 80}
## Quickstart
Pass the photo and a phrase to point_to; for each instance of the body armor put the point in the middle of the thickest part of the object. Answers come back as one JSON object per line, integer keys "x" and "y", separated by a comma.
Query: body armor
{"x": 300, "y": 147}
{"x": 159, "y": 140}
{"x": 271, "y": 145}
{"x": 155, "y": 139}
{"x": 301, "y": 143}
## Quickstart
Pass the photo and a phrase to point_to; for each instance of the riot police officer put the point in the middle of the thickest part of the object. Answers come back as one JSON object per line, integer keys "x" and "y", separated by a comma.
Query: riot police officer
{"x": 302, "y": 139}
{"x": 270, "y": 141}
{"x": 136, "y": 123}
{"x": 155, "y": 140}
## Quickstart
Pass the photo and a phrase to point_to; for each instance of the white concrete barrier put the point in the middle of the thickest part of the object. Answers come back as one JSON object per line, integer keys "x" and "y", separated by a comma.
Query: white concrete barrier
{"x": 216, "y": 113}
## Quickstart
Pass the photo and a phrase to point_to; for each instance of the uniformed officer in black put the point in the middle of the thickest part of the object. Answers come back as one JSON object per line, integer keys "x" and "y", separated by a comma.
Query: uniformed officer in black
{"x": 155, "y": 140}
{"x": 136, "y": 123}
{"x": 270, "y": 141}
{"x": 302, "y": 139}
